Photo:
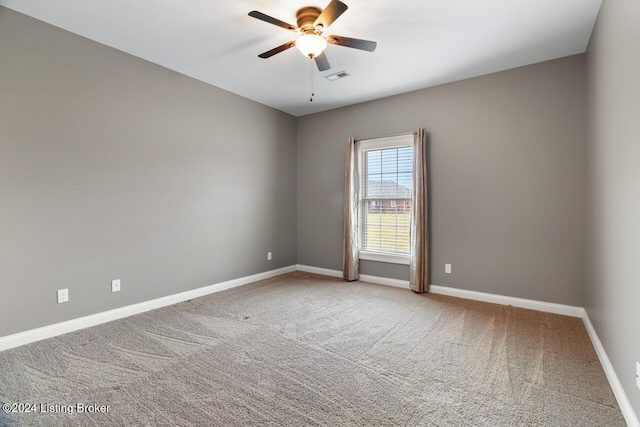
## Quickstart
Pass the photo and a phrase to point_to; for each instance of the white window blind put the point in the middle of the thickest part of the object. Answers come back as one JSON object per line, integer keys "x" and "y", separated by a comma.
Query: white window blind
{"x": 386, "y": 167}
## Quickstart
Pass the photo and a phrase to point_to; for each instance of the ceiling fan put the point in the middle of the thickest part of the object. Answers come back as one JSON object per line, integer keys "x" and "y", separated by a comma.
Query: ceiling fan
{"x": 312, "y": 22}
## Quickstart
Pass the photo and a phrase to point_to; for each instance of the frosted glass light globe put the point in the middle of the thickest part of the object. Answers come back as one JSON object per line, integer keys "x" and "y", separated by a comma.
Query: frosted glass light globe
{"x": 311, "y": 45}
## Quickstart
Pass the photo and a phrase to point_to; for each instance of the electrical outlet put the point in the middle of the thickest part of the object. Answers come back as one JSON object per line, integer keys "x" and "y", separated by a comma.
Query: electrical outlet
{"x": 269, "y": 256}
{"x": 447, "y": 268}
{"x": 115, "y": 285}
{"x": 638, "y": 374}
{"x": 63, "y": 295}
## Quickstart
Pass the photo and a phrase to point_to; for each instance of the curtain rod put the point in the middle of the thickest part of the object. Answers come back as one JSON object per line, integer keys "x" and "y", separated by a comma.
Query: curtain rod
{"x": 387, "y": 136}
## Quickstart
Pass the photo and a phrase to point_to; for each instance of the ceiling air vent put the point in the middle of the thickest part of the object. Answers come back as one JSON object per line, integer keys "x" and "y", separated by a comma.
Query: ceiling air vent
{"x": 337, "y": 76}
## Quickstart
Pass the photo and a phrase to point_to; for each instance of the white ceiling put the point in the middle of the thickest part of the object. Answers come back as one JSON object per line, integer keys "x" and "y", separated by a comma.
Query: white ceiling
{"x": 421, "y": 43}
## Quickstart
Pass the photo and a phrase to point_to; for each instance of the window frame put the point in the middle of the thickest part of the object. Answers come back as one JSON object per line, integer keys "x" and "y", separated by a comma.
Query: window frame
{"x": 373, "y": 144}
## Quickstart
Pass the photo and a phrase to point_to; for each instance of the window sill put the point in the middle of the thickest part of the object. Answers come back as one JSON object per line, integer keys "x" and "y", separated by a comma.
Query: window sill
{"x": 384, "y": 257}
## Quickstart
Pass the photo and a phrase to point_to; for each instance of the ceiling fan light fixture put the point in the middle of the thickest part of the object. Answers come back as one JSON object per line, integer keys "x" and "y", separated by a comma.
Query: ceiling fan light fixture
{"x": 311, "y": 45}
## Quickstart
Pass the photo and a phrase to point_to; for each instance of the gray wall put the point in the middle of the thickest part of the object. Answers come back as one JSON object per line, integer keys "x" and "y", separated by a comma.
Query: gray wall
{"x": 613, "y": 279}
{"x": 507, "y": 179}
{"x": 115, "y": 168}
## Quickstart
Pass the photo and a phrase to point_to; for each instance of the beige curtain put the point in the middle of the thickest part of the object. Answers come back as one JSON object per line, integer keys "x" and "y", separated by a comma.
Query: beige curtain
{"x": 419, "y": 258}
{"x": 350, "y": 244}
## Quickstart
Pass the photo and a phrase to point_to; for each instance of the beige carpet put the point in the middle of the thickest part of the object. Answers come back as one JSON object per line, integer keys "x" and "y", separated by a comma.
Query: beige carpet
{"x": 302, "y": 350}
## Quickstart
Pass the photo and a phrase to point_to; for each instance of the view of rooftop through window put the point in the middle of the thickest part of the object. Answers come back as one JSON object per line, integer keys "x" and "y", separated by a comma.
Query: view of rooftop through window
{"x": 386, "y": 199}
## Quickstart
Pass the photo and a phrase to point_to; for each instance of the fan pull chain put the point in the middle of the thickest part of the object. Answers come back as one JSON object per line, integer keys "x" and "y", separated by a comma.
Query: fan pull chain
{"x": 313, "y": 83}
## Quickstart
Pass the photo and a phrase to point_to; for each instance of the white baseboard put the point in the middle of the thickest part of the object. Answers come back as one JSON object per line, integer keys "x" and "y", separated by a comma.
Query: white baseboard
{"x": 623, "y": 401}
{"x": 319, "y": 270}
{"x": 549, "y": 307}
{"x": 396, "y": 283}
{"x": 33, "y": 335}
{"x": 363, "y": 277}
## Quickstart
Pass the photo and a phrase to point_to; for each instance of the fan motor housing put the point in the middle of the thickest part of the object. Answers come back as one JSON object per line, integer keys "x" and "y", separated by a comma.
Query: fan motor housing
{"x": 305, "y": 17}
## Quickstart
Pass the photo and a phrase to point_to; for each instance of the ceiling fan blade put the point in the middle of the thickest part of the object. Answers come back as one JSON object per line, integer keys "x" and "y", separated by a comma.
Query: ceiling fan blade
{"x": 271, "y": 20}
{"x": 367, "y": 45}
{"x": 330, "y": 13}
{"x": 281, "y": 48}
{"x": 322, "y": 62}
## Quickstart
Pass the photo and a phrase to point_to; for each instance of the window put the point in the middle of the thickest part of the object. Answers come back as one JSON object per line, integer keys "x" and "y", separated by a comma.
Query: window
{"x": 386, "y": 168}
